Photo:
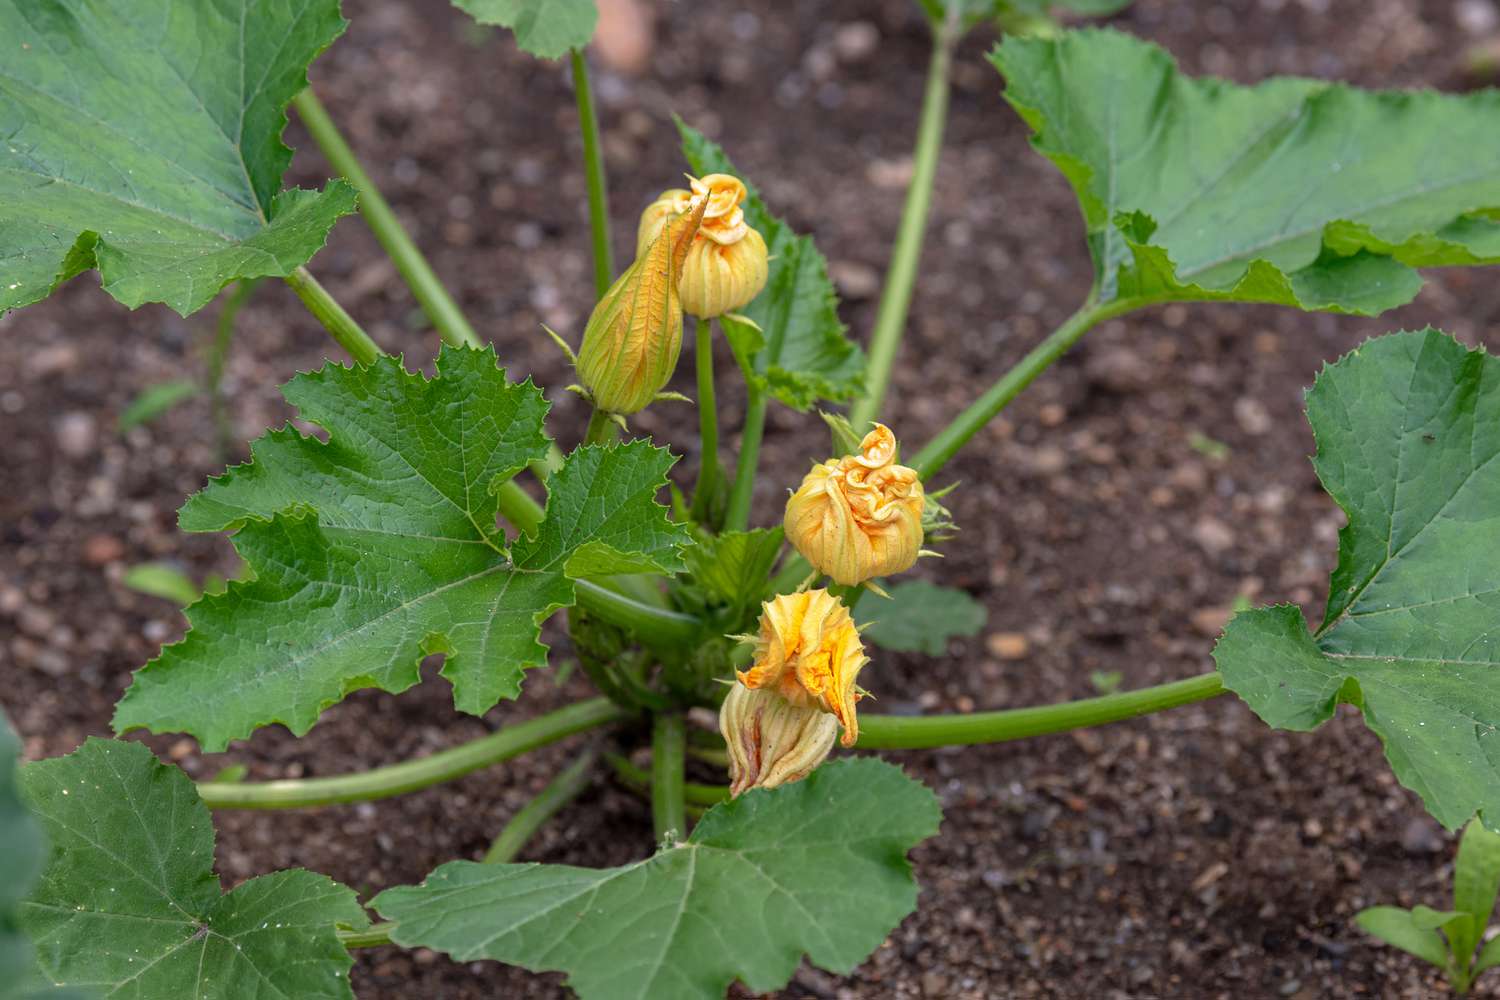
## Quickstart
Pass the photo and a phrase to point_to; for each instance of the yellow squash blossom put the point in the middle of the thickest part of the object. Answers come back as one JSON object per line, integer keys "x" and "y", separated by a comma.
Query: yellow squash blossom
{"x": 770, "y": 740}
{"x": 634, "y": 336}
{"x": 726, "y": 266}
{"x": 809, "y": 653}
{"x": 860, "y": 516}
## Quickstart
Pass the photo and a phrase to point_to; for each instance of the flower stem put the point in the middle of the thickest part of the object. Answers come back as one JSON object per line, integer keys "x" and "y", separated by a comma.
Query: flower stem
{"x": 737, "y": 516}
{"x": 417, "y": 273}
{"x": 567, "y": 786}
{"x": 339, "y": 324}
{"x": 593, "y": 165}
{"x": 891, "y": 732}
{"x": 602, "y": 428}
{"x": 708, "y": 425}
{"x": 668, "y": 743}
{"x": 901, "y": 276}
{"x": 935, "y": 454}
{"x": 411, "y": 775}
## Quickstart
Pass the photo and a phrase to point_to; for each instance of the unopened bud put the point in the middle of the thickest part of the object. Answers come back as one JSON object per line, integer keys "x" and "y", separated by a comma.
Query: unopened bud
{"x": 727, "y": 264}
{"x": 771, "y": 741}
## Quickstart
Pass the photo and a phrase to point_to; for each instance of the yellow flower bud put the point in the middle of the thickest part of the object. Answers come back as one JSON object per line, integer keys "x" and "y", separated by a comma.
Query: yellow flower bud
{"x": 860, "y": 516}
{"x": 726, "y": 266}
{"x": 771, "y": 741}
{"x": 809, "y": 653}
{"x": 634, "y": 336}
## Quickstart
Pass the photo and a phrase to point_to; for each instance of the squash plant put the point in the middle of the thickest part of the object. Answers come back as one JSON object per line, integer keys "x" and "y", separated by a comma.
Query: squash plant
{"x": 142, "y": 140}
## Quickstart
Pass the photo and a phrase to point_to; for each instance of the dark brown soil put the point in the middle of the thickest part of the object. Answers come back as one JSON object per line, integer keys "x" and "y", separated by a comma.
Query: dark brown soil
{"x": 1192, "y": 854}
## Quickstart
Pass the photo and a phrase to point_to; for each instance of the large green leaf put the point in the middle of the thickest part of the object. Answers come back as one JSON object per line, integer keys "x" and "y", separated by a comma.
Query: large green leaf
{"x": 816, "y": 867}
{"x": 21, "y": 860}
{"x": 1297, "y": 192}
{"x": 381, "y": 546}
{"x": 130, "y": 902}
{"x": 143, "y": 137}
{"x": 545, "y": 28}
{"x": 805, "y": 356}
{"x": 1408, "y": 433}
{"x": 919, "y": 617}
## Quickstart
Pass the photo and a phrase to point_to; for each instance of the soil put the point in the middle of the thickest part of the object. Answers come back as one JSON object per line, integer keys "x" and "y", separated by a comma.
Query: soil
{"x": 1192, "y": 854}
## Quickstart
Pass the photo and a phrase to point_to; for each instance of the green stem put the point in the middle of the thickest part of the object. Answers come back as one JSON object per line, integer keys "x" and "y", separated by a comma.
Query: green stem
{"x": 218, "y": 357}
{"x": 602, "y": 428}
{"x": 668, "y": 742}
{"x": 693, "y": 793}
{"x": 655, "y": 626}
{"x": 372, "y": 937}
{"x": 892, "y": 732}
{"x": 936, "y": 453}
{"x": 350, "y": 336}
{"x": 418, "y": 274}
{"x": 901, "y": 276}
{"x": 708, "y": 425}
{"x": 409, "y": 776}
{"x": 564, "y": 788}
{"x": 737, "y": 516}
{"x": 593, "y": 165}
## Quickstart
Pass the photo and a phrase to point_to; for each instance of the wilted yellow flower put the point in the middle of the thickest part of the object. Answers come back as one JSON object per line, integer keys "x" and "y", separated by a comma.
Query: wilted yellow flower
{"x": 634, "y": 336}
{"x": 771, "y": 741}
{"x": 859, "y": 516}
{"x": 809, "y": 653}
{"x": 726, "y": 266}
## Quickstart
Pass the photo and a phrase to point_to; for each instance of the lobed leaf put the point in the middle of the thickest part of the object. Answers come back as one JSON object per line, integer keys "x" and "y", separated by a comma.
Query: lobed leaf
{"x": 802, "y": 355}
{"x": 1296, "y": 192}
{"x": 381, "y": 546}
{"x": 920, "y": 617}
{"x": 545, "y": 28}
{"x": 127, "y": 149}
{"x": 1408, "y": 433}
{"x": 130, "y": 902}
{"x": 817, "y": 867}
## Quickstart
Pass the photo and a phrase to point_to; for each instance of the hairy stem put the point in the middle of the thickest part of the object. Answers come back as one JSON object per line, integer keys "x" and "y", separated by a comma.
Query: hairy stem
{"x": 737, "y": 516}
{"x": 936, "y": 453}
{"x": 891, "y": 732}
{"x": 708, "y": 424}
{"x": 593, "y": 165}
{"x": 567, "y": 786}
{"x": 339, "y": 324}
{"x": 409, "y": 776}
{"x": 668, "y": 742}
{"x": 415, "y": 271}
{"x": 901, "y": 276}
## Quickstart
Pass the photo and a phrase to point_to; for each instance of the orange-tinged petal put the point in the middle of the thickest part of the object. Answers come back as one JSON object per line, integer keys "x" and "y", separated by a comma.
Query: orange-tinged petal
{"x": 809, "y": 653}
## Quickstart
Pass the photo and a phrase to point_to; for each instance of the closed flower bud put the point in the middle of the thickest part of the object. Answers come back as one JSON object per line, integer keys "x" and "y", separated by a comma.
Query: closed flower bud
{"x": 808, "y": 652}
{"x": 860, "y": 516}
{"x": 771, "y": 741}
{"x": 726, "y": 266}
{"x": 634, "y": 336}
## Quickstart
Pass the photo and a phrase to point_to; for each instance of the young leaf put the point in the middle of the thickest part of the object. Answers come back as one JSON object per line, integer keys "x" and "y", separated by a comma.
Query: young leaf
{"x": 21, "y": 862}
{"x": 545, "y": 28}
{"x": 1476, "y": 877}
{"x": 736, "y": 565}
{"x": 920, "y": 617}
{"x": 130, "y": 901}
{"x": 155, "y": 400}
{"x": 1296, "y": 192}
{"x": 164, "y": 581}
{"x": 818, "y": 867}
{"x": 381, "y": 546}
{"x": 1489, "y": 957}
{"x": 129, "y": 148}
{"x": 1408, "y": 432}
{"x": 804, "y": 355}
{"x": 1395, "y": 926}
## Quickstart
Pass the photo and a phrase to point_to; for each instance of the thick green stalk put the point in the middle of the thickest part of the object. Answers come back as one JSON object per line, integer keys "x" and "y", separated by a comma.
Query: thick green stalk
{"x": 694, "y": 794}
{"x": 567, "y": 786}
{"x": 737, "y": 516}
{"x": 593, "y": 165}
{"x": 894, "y": 732}
{"x": 936, "y": 453}
{"x": 409, "y": 776}
{"x": 668, "y": 745}
{"x": 708, "y": 424}
{"x": 339, "y": 324}
{"x": 418, "y": 274}
{"x": 602, "y": 428}
{"x": 901, "y": 276}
